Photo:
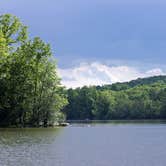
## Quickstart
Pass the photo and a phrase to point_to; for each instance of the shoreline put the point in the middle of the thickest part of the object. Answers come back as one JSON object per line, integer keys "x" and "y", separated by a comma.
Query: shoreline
{"x": 70, "y": 122}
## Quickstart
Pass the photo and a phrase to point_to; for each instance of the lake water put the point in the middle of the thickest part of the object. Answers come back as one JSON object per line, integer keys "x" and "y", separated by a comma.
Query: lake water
{"x": 120, "y": 144}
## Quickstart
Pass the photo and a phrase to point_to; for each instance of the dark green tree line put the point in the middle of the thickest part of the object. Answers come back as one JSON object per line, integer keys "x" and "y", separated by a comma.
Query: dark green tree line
{"x": 146, "y": 99}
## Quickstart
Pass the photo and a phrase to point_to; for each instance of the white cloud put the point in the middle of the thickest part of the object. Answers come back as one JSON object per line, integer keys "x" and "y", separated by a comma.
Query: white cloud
{"x": 98, "y": 74}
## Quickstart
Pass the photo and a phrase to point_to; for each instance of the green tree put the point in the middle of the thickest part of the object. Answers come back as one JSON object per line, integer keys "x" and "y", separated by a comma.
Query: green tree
{"x": 31, "y": 93}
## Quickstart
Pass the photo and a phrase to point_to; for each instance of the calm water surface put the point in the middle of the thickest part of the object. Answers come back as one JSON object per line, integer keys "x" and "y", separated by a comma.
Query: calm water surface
{"x": 85, "y": 145}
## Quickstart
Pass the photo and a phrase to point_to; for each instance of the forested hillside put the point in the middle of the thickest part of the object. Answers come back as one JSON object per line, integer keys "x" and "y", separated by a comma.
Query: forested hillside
{"x": 30, "y": 90}
{"x": 139, "y": 99}
{"x": 133, "y": 83}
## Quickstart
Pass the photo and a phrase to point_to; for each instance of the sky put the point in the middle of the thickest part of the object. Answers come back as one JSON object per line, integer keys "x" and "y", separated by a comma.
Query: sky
{"x": 98, "y": 42}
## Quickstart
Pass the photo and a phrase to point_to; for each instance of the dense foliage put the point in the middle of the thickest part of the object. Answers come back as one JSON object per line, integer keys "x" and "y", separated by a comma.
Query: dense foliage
{"x": 30, "y": 90}
{"x": 138, "y": 99}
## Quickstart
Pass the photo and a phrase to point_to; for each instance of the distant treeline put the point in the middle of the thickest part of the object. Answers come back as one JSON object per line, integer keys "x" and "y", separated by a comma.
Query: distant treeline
{"x": 30, "y": 90}
{"x": 138, "y": 99}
